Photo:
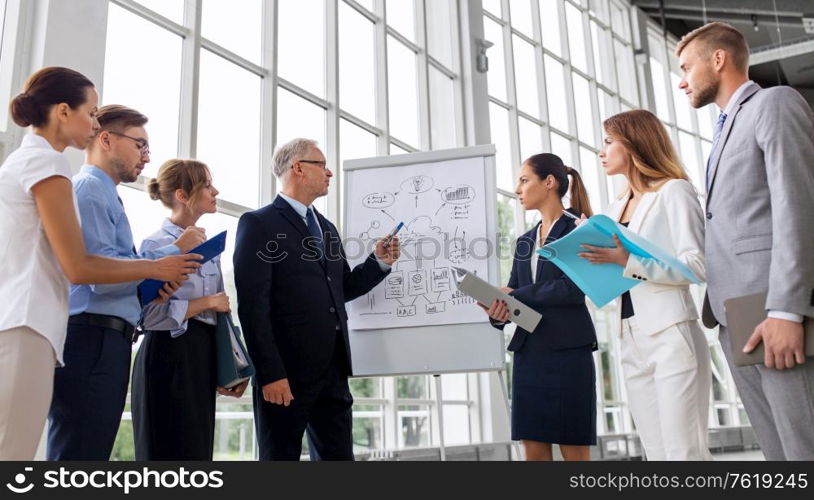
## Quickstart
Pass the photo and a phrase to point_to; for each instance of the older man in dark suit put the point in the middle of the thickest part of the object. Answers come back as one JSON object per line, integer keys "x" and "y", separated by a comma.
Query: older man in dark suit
{"x": 292, "y": 281}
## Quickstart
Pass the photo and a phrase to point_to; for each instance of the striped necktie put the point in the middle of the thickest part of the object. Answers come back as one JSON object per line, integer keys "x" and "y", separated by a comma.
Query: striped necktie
{"x": 716, "y": 134}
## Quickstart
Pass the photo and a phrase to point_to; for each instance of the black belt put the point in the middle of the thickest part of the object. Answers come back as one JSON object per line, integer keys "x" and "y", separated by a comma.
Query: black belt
{"x": 102, "y": 321}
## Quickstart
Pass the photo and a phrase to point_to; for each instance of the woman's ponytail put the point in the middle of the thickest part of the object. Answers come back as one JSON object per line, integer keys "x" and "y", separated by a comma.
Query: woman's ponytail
{"x": 545, "y": 164}
{"x": 579, "y": 195}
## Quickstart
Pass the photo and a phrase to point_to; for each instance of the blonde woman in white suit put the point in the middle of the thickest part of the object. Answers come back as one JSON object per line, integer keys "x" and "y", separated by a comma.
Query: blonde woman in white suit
{"x": 665, "y": 356}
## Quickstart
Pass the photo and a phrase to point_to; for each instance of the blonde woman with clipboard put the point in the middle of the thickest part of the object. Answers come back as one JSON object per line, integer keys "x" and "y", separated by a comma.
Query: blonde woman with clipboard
{"x": 665, "y": 356}
{"x": 174, "y": 374}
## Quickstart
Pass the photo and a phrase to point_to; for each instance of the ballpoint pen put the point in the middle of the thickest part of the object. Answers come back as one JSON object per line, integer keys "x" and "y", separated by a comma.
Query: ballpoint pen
{"x": 392, "y": 234}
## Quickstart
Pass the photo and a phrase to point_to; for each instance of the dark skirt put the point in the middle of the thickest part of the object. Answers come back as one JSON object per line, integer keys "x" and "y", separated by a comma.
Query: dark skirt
{"x": 554, "y": 396}
{"x": 173, "y": 395}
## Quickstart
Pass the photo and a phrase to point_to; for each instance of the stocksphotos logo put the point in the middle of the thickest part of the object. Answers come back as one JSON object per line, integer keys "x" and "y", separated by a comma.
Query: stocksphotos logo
{"x": 19, "y": 485}
{"x": 123, "y": 480}
{"x": 127, "y": 480}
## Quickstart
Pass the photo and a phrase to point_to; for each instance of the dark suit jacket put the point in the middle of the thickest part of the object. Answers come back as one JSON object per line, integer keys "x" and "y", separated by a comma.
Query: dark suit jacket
{"x": 566, "y": 321}
{"x": 289, "y": 301}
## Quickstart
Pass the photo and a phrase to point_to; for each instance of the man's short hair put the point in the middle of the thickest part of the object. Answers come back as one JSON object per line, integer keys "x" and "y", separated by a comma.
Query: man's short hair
{"x": 119, "y": 118}
{"x": 717, "y": 35}
{"x": 288, "y": 153}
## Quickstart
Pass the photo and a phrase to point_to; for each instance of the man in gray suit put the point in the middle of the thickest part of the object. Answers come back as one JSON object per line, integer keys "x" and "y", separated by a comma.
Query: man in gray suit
{"x": 760, "y": 230}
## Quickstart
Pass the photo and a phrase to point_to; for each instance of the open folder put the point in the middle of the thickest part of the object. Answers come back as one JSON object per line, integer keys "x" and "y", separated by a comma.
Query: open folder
{"x": 604, "y": 282}
{"x": 743, "y": 314}
{"x": 519, "y": 313}
{"x": 209, "y": 249}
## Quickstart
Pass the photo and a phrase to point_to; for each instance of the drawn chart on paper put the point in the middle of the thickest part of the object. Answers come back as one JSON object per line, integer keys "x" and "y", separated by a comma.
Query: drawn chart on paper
{"x": 443, "y": 207}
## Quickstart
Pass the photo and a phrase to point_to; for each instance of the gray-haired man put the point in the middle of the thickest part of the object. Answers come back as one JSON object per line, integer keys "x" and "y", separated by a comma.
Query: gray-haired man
{"x": 292, "y": 283}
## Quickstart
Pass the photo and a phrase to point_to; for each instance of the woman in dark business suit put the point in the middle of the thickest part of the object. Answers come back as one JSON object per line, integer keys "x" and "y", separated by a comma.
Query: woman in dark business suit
{"x": 553, "y": 379}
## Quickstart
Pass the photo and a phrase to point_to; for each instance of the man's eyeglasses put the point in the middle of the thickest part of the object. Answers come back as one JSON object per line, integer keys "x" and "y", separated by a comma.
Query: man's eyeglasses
{"x": 143, "y": 146}
{"x": 322, "y": 164}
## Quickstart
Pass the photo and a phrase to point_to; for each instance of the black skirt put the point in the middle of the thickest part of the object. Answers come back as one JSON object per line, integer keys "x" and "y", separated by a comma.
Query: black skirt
{"x": 173, "y": 395}
{"x": 554, "y": 395}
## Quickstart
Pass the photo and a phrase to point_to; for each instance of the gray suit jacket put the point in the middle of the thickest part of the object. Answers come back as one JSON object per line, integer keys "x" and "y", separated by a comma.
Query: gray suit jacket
{"x": 760, "y": 205}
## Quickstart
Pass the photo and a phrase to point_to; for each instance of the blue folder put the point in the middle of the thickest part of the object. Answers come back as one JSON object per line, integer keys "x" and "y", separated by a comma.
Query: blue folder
{"x": 210, "y": 249}
{"x": 604, "y": 282}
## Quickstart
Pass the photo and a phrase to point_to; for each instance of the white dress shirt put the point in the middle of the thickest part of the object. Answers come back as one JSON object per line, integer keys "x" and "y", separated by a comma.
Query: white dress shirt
{"x": 33, "y": 288}
{"x": 534, "y": 256}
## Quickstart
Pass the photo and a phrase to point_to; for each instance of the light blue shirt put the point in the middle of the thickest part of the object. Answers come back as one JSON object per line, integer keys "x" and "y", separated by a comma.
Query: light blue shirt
{"x": 107, "y": 232}
{"x": 207, "y": 280}
{"x": 730, "y": 106}
{"x": 302, "y": 211}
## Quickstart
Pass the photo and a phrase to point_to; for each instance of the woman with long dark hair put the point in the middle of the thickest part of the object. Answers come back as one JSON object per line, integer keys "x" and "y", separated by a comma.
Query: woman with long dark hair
{"x": 553, "y": 377}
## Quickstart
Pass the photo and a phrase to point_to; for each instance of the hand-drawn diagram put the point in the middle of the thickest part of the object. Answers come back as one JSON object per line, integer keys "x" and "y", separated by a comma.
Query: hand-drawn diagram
{"x": 443, "y": 209}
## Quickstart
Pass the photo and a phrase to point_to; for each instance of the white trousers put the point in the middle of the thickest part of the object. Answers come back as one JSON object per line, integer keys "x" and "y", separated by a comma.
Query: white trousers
{"x": 26, "y": 384}
{"x": 668, "y": 378}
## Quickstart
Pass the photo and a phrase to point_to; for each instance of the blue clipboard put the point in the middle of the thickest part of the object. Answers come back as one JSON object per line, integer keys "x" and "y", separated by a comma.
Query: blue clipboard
{"x": 210, "y": 249}
{"x": 604, "y": 282}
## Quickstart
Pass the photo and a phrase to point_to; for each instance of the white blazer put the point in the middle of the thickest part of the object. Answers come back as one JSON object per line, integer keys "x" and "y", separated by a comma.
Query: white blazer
{"x": 670, "y": 218}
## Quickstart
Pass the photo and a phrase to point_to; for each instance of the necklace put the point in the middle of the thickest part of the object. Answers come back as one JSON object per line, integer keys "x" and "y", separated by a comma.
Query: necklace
{"x": 540, "y": 237}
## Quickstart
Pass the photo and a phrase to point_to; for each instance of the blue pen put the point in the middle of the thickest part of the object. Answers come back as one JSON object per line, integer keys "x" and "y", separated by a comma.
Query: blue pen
{"x": 390, "y": 236}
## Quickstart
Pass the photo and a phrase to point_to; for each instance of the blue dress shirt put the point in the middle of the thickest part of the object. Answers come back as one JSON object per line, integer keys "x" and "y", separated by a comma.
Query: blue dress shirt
{"x": 207, "y": 280}
{"x": 107, "y": 232}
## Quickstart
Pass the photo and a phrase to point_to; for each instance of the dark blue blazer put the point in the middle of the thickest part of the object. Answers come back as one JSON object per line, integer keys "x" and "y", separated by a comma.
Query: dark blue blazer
{"x": 566, "y": 321}
{"x": 290, "y": 301}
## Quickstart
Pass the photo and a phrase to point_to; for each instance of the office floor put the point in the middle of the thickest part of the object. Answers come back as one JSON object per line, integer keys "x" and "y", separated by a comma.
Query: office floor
{"x": 740, "y": 456}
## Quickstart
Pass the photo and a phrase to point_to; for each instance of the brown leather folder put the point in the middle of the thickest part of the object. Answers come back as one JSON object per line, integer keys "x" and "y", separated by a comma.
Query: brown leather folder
{"x": 743, "y": 314}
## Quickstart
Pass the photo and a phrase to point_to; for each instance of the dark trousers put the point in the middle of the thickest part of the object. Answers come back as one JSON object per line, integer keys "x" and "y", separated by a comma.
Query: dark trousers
{"x": 89, "y": 394}
{"x": 322, "y": 410}
{"x": 173, "y": 396}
